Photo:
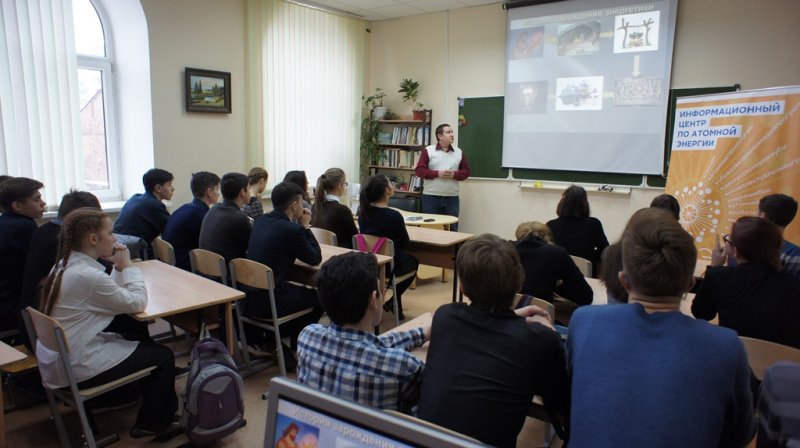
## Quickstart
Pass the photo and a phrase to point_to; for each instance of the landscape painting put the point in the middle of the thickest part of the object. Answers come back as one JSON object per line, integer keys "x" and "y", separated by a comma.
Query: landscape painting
{"x": 208, "y": 91}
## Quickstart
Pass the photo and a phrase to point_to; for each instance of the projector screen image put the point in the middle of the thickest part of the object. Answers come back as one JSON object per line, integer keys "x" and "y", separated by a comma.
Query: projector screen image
{"x": 587, "y": 84}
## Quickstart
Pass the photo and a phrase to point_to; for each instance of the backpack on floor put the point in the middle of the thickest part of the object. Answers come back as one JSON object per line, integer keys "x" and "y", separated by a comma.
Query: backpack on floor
{"x": 212, "y": 404}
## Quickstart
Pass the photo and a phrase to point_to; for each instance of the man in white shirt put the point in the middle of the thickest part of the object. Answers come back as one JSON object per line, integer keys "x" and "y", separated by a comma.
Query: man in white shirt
{"x": 442, "y": 166}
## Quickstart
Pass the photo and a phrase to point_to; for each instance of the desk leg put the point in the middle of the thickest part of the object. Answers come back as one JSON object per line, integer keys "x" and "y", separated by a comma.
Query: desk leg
{"x": 229, "y": 327}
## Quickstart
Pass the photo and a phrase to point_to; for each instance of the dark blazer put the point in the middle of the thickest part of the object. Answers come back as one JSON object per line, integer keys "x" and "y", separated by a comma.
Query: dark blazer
{"x": 338, "y": 219}
{"x": 41, "y": 257}
{"x": 277, "y": 242}
{"x": 16, "y": 233}
{"x": 183, "y": 230}
{"x": 583, "y": 237}
{"x": 754, "y": 299}
{"x": 142, "y": 215}
{"x": 225, "y": 231}
{"x": 545, "y": 265}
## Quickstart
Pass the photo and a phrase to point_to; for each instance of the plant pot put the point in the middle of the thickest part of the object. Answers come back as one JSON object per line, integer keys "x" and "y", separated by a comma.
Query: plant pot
{"x": 419, "y": 115}
{"x": 379, "y": 112}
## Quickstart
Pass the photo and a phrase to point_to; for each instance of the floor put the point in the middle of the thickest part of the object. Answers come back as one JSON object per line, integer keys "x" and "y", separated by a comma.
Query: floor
{"x": 32, "y": 427}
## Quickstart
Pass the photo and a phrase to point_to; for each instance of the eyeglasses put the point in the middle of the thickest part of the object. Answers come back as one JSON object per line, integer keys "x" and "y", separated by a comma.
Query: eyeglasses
{"x": 727, "y": 238}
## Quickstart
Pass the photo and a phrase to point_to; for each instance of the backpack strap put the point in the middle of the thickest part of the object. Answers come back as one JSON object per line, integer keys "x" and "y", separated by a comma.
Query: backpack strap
{"x": 361, "y": 244}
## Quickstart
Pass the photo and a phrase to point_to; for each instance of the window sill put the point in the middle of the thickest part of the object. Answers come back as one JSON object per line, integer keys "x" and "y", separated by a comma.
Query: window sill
{"x": 108, "y": 207}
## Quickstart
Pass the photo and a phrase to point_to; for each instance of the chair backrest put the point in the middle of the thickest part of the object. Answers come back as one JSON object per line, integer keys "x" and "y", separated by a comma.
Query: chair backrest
{"x": 44, "y": 329}
{"x": 209, "y": 264}
{"x": 583, "y": 264}
{"x": 164, "y": 251}
{"x": 762, "y": 354}
{"x": 387, "y": 248}
{"x": 251, "y": 273}
{"x": 407, "y": 203}
{"x": 324, "y": 236}
{"x": 541, "y": 303}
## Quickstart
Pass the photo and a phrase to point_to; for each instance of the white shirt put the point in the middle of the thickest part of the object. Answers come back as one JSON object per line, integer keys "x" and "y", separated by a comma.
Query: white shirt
{"x": 87, "y": 303}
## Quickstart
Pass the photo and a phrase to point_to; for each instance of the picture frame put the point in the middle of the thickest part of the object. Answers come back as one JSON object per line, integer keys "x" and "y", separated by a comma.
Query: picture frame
{"x": 207, "y": 90}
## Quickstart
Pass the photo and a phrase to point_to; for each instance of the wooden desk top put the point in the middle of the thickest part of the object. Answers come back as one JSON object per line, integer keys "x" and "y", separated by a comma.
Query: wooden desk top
{"x": 331, "y": 251}
{"x": 439, "y": 220}
{"x": 423, "y": 319}
{"x": 172, "y": 290}
{"x": 601, "y": 296}
{"x": 436, "y": 237}
{"x": 9, "y": 355}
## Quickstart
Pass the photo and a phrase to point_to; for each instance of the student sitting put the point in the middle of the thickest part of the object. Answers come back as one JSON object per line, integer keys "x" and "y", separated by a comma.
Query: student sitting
{"x": 646, "y": 375}
{"x": 755, "y": 297}
{"x": 44, "y": 248}
{"x": 84, "y": 299}
{"x": 549, "y": 268}
{"x": 256, "y": 184}
{"x": 780, "y": 209}
{"x": 328, "y": 213}
{"x": 486, "y": 362}
{"x": 21, "y": 203}
{"x": 346, "y": 358}
{"x": 226, "y": 229}
{"x": 668, "y": 203}
{"x": 278, "y": 239}
{"x": 183, "y": 228}
{"x": 376, "y": 218}
{"x": 574, "y": 230}
{"x": 145, "y": 215}
{"x": 300, "y": 179}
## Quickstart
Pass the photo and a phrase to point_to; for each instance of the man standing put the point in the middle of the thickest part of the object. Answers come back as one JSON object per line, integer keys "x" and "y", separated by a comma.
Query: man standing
{"x": 442, "y": 166}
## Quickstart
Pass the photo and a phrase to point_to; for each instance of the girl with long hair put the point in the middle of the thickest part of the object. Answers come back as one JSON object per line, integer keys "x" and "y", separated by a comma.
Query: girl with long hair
{"x": 328, "y": 213}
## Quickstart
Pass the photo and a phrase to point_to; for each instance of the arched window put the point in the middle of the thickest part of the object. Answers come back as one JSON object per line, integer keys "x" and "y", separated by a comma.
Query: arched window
{"x": 96, "y": 99}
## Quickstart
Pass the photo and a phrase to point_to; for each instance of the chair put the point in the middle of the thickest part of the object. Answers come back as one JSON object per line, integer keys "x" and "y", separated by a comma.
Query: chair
{"x": 49, "y": 333}
{"x": 583, "y": 264}
{"x": 541, "y": 303}
{"x": 256, "y": 275}
{"x": 388, "y": 250}
{"x": 210, "y": 265}
{"x": 324, "y": 236}
{"x": 164, "y": 251}
{"x": 406, "y": 203}
{"x": 762, "y": 354}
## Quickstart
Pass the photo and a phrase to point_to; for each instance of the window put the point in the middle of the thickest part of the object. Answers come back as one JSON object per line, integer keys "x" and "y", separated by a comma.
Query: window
{"x": 95, "y": 96}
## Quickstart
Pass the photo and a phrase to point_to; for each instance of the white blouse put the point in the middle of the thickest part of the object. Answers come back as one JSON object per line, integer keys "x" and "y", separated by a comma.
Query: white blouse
{"x": 87, "y": 303}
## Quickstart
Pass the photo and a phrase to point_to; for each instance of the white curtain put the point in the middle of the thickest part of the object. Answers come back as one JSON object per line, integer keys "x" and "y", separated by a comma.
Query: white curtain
{"x": 40, "y": 133}
{"x": 306, "y": 72}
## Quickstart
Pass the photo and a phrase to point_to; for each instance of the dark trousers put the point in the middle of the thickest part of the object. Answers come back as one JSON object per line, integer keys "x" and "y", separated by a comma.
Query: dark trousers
{"x": 441, "y": 205}
{"x": 159, "y": 401}
{"x": 403, "y": 264}
{"x": 289, "y": 299}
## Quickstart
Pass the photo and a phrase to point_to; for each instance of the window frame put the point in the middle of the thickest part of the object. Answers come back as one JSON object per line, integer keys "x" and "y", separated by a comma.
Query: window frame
{"x": 105, "y": 65}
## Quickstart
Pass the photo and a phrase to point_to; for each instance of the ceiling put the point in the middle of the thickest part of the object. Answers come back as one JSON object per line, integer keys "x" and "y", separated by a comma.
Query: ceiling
{"x": 374, "y": 10}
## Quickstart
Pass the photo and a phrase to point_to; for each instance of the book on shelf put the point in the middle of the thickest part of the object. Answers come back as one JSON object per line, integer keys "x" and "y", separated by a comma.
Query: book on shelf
{"x": 399, "y": 158}
{"x": 410, "y": 135}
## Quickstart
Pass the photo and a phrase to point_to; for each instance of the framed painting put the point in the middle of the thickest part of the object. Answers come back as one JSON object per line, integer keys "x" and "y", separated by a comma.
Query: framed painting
{"x": 208, "y": 91}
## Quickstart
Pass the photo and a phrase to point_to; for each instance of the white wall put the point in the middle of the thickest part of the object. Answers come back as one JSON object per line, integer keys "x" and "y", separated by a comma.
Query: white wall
{"x": 207, "y": 34}
{"x": 461, "y": 53}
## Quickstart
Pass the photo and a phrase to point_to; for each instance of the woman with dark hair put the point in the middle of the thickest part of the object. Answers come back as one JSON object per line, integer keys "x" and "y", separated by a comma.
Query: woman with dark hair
{"x": 755, "y": 297}
{"x": 299, "y": 178}
{"x": 376, "y": 218}
{"x": 328, "y": 213}
{"x": 548, "y": 268}
{"x": 574, "y": 230}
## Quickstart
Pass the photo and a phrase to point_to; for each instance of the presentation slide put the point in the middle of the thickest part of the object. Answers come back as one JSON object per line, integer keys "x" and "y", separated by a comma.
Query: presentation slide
{"x": 587, "y": 85}
{"x": 298, "y": 426}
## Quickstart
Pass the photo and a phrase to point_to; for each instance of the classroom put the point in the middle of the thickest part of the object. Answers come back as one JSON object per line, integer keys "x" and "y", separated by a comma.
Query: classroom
{"x": 456, "y": 51}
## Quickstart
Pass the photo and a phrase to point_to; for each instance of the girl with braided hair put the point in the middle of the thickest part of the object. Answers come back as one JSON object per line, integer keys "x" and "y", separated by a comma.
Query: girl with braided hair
{"x": 84, "y": 300}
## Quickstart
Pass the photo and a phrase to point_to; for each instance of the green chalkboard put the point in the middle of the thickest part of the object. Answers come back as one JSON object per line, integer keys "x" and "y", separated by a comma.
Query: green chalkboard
{"x": 480, "y": 136}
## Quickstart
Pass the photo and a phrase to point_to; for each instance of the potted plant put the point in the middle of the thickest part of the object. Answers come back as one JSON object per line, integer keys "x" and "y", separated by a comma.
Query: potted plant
{"x": 374, "y": 103}
{"x": 370, "y": 149}
{"x": 410, "y": 90}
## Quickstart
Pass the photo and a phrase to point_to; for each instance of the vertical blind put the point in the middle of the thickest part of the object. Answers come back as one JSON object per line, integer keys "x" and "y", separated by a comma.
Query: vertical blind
{"x": 306, "y": 77}
{"x": 40, "y": 134}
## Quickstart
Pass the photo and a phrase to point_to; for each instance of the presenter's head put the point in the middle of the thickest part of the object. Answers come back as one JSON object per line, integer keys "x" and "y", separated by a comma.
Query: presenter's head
{"x": 445, "y": 135}
{"x": 573, "y": 203}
